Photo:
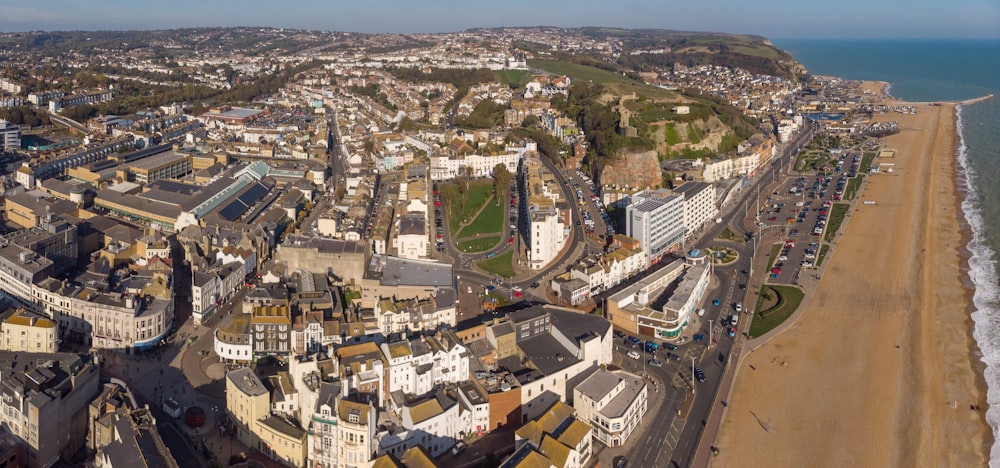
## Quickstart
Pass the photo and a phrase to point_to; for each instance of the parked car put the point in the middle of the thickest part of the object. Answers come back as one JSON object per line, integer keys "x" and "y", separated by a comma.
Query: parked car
{"x": 655, "y": 363}
{"x": 634, "y": 354}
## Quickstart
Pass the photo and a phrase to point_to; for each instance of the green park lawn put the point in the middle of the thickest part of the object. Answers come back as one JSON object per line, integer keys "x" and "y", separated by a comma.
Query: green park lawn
{"x": 500, "y": 265}
{"x": 480, "y": 244}
{"x": 463, "y": 206}
{"x": 489, "y": 221}
{"x": 837, "y": 215}
{"x": 579, "y": 72}
{"x": 788, "y": 300}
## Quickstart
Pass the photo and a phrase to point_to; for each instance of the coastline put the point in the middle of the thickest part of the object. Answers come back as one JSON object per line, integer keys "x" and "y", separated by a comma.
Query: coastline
{"x": 885, "y": 360}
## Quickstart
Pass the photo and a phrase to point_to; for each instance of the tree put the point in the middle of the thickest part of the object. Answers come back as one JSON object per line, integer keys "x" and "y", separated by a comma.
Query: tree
{"x": 463, "y": 178}
{"x": 529, "y": 121}
{"x": 501, "y": 181}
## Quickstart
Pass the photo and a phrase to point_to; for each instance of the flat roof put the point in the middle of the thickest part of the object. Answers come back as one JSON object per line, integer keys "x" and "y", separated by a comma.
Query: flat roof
{"x": 156, "y": 160}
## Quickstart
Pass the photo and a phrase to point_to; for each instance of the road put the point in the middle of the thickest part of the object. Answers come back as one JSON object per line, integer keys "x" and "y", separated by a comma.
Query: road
{"x": 679, "y": 440}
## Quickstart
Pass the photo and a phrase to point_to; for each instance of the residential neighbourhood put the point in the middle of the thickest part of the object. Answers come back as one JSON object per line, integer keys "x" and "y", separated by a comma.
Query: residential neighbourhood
{"x": 393, "y": 251}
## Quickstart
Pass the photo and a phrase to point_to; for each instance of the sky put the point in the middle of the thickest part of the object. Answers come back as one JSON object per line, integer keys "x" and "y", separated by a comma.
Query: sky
{"x": 770, "y": 18}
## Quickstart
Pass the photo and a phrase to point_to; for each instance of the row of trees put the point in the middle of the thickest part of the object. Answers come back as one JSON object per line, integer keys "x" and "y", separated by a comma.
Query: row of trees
{"x": 24, "y": 115}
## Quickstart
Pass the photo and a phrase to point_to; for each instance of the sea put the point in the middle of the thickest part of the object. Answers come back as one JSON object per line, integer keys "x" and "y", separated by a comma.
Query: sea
{"x": 933, "y": 70}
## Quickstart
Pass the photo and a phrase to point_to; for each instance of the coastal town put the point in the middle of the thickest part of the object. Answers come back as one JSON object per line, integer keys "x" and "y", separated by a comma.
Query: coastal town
{"x": 353, "y": 250}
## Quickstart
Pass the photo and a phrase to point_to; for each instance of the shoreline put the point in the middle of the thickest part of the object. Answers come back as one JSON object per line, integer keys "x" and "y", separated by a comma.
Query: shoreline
{"x": 897, "y": 373}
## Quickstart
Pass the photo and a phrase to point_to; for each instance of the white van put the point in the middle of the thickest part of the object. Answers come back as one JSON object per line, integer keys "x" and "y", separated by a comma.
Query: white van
{"x": 734, "y": 319}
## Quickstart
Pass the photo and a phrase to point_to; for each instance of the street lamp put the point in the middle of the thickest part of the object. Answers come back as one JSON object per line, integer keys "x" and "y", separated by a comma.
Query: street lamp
{"x": 710, "y": 332}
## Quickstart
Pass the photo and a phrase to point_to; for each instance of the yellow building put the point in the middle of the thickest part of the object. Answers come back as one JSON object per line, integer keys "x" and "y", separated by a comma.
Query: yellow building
{"x": 281, "y": 440}
{"x": 25, "y": 331}
{"x": 247, "y": 401}
{"x": 356, "y": 431}
{"x": 168, "y": 165}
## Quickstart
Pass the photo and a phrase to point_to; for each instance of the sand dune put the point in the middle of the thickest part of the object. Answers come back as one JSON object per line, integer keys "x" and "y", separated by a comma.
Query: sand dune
{"x": 878, "y": 370}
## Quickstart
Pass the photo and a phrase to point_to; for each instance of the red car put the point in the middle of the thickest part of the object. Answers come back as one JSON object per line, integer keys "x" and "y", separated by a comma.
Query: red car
{"x": 772, "y": 219}
{"x": 437, "y": 203}
{"x": 510, "y": 241}
{"x": 517, "y": 294}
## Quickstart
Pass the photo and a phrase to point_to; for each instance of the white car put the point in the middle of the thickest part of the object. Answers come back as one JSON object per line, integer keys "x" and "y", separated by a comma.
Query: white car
{"x": 634, "y": 354}
{"x": 515, "y": 288}
{"x": 739, "y": 307}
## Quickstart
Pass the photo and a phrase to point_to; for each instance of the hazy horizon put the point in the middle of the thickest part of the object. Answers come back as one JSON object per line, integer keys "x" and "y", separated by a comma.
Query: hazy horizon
{"x": 785, "y": 19}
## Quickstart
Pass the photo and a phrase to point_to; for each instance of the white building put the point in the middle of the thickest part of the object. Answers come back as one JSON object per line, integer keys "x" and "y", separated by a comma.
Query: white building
{"x": 10, "y": 137}
{"x": 656, "y": 220}
{"x": 560, "y": 344}
{"x": 355, "y": 432}
{"x": 720, "y": 169}
{"x": 204, "y": 295}
{"x": 548, "y": 222}
{"x": 613, "y": 403}
{"x": 699, "y": 205}
{"x": 631, "y": 308}
{"x": 447, "y": 167}
{"x": 411, "y": 238}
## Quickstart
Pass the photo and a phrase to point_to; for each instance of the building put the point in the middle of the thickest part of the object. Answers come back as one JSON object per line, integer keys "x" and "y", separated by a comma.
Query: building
{"x": 204, "y": 295}
{"x": 44, "y": 402}
{"x": 247, "y": 401}
{"x": 26, "y": 331}
{"x": 272, "y": 328}
{"x": 233, "y": 340}
{"x": 356, "y": 433}
{"x": 413, "y": 315}
{"x": 661, "y": 304}
{"x": 548, "y": 219}
{"x": 135, "y": 314}
{"x": 552, "y": 346}
{"x": 282, "y": 440}
{"x": 123, "y": 434}
{"x": 10, "y": 137}
{"x": 613, "y": 403}
{"x": 411, "y": 239}
{"x": 449, "y": 167}
{"x": 555, "y": 438}
{"x": 166, "y": 165}
{"x": 656, "y": 220}
{"x": 699, "y": 205}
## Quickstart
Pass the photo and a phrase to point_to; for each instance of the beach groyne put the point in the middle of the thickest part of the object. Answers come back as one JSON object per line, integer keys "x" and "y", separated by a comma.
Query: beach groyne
{"x": 975, "y": 100}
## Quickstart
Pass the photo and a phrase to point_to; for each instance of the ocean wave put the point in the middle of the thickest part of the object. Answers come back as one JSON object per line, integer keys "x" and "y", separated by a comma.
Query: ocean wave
{"x": 983, "y": 274}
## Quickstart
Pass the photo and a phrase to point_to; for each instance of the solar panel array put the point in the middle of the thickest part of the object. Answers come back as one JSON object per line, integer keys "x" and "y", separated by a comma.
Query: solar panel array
{"x": 237, "y": 207}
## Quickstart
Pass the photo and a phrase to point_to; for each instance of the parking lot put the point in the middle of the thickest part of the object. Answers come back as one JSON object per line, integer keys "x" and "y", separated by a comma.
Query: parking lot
{"x": 595, "y": 220}
{"x": 798, "y": 212}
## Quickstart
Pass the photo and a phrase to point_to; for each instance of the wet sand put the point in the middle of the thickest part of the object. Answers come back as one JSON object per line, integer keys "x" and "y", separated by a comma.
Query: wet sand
{"x": 880, "y": 368}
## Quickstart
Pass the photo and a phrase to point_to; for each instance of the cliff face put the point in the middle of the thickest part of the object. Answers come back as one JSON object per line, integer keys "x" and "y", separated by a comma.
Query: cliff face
{"x": 635, "y": 169}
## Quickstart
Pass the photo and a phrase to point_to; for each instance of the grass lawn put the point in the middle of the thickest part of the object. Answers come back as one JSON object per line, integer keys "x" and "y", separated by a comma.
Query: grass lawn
{"x": 499, "y": 265}
{"x": 837, "y": 215}
{"x": 481, "y": 244}
{"x": 670, "y": 135}
{"x": 853, "y": 186}
{"x": 788, "y": 299}
{"x": 822, "y": 254}
{"x": 489, "y": 221}
{"x": 775, "y": 250}
{"x": 728, "y": 235}
{"x": 580, "y": 72}
{"x": 866, "y": 162}
{"x": 465, "y": 205}
{"x": 518, "y": 78}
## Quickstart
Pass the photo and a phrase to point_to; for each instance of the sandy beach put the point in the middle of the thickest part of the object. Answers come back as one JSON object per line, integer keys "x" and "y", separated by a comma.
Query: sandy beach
{"x": 875, "y": 87}
{"x": 880, "y": 367}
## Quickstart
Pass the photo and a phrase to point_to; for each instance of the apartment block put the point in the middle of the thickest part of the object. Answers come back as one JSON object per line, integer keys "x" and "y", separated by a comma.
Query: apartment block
{"x": 656, "y": 220}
